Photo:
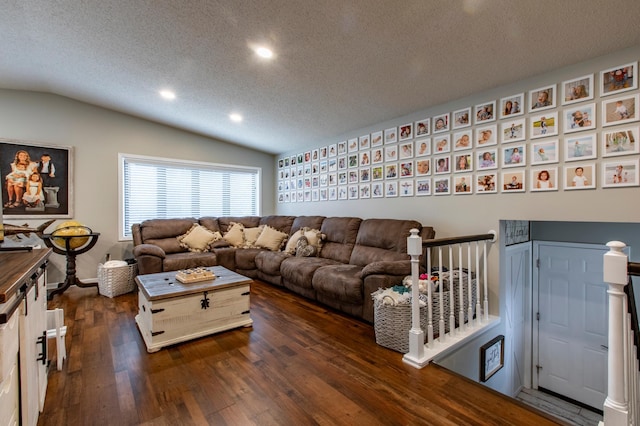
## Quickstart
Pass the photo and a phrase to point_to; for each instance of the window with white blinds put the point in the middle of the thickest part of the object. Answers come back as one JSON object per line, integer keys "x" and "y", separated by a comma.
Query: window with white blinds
{"x": 154, "y": 188}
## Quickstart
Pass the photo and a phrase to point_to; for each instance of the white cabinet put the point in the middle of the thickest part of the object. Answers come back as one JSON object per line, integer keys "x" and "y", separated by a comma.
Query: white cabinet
{"x": 23, "y": 340}
{"x": 33, "y": 351}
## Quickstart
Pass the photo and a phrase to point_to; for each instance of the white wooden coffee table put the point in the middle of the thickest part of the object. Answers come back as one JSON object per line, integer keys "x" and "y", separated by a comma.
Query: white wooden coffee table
{"x": 171, "y": 312}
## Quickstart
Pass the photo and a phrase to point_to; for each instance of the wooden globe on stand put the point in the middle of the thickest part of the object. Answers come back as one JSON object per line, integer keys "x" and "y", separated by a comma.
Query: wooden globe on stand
{"x": 70, "y": 239}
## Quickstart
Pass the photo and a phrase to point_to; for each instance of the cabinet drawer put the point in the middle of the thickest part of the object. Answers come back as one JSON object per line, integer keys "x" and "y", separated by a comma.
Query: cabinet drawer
{"x": 9, "y": 343}
{"x": 9, "y": 391}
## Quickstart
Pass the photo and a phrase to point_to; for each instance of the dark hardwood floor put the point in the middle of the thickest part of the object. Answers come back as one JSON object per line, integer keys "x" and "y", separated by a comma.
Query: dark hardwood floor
{"x": 300, "y": 364}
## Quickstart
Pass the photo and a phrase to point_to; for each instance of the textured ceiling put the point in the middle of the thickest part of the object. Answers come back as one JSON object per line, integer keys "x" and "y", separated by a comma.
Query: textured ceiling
{"x": 340, "y": 65}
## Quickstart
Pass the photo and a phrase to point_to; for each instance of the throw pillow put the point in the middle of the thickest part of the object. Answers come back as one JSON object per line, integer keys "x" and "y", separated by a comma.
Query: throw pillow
{"x": 197, "y": 238}
{"x": 315, "y": 237}
{"x": 235, "y": 234}
{"x": 271, "y": 238}
{"x": 293, "y": 240}
{"x": 304, "y": 249}
{"x": 251, "y": 236}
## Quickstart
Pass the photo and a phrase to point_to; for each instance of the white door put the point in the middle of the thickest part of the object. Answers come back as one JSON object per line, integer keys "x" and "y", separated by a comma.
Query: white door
{"x": 572, "y": 323}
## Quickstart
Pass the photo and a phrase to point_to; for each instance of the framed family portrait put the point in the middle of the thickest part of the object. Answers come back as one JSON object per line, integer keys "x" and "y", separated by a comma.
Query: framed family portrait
{"x": 513, "y": 130}
{"x": 423, "y": 187}
{"x": 485, "y": 112}
{"x": 580, "y": 176}
{"x": 577, "y": 90}
{"x": 582, "y": 147}
{"x": 618, "y": 79}
{"x": 544, "y": 179}
{"x": 491, "y": 358}
{"x": 512, "y": 106}
{"x": 486, "y": 136}
{"x": 462, "y": 140}
{"x": 461, "y": 118}
{"x": 406, "y": 132}
{"x": 620, "y": 173}
{"x": 620, "y": 142}
{"x": 423, "y": 127}
{"x": 441, "y": 186}
{"x": 542, "y": 98}
{"x": 514, "y": 155}
{"x": 462, "y": 184}
{"x": 543, "y": 125}
{"x": 376, "y": 139}
{"x": 38, "y": 180}
{"x": 580, "y": 118}
{"x": 620, "y": 110}
{"x": 513, "y": 181}
{"x": 441, "y": 123}
{"x": 544, "y": 152}
{"x": 486, "y": 183}
{"x": 487, "y": 159}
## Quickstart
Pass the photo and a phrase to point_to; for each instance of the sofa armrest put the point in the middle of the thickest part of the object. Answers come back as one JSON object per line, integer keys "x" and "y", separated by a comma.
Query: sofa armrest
{"x": 148, "y": 250}
{"x": 396, "y": 267}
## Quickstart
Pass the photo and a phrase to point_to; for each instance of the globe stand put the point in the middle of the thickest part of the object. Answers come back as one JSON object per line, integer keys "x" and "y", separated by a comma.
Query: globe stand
{"x": 70, "y": 253}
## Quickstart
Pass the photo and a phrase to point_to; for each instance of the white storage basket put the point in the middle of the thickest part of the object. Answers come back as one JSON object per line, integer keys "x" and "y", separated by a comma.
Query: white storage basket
{"x": 114, "y": 281}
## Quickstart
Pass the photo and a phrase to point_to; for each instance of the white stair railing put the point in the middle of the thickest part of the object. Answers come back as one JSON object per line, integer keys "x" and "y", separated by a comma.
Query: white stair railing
{"x": 621, "y": 404}
{"x": 461, "y": 291}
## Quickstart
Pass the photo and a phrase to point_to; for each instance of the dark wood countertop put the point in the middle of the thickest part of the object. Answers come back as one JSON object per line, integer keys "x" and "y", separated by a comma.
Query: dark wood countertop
{"x": 16, "y": 268}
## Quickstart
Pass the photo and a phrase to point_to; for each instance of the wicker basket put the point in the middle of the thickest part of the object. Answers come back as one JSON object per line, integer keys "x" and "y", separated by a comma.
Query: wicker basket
{"x": 392, "y": 324}
{"x": 118, "y": 280}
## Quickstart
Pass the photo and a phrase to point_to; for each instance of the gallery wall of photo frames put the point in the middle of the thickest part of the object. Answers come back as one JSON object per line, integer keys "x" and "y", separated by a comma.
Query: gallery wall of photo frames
{"x": 545, "y": 140}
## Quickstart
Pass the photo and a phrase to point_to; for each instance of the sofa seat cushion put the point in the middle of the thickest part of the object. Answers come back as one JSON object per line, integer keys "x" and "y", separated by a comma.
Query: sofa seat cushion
{"x": 177, "y": 261}
{"x": 340, "y": 282}
{"x": 298, "y": 271}
{"x": 246, "y": 258}
{"x": 269, "y": 261}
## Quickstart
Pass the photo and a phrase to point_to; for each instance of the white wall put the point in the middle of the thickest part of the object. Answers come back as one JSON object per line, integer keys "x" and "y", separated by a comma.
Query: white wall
{"x": 454, "y": 215}
{"x": 97, "y": 136}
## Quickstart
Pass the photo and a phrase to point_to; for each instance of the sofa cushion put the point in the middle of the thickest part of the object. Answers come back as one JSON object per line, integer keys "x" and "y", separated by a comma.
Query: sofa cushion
{"x": 198, "y": 238}
{"x": 211, "y": 223}
{"x": 297, "y": 271}
{"x": 235, "y": 234}
{"x": 269, "y": 261}
{"x": 155, "y": 229}
{"x": 186, "y": 260}
{"x": 246, "y": 258}
{"x": 248, "y": 221}
{"x": 169, "y": 245}
{"x": 341, "y": 282}
{"x": 271, "y": 238}
{"x": 382, "y": 240}
{"x": 281, "y": 223}
{"x": 311, "y": 222}
{"x": 341, "y": 233}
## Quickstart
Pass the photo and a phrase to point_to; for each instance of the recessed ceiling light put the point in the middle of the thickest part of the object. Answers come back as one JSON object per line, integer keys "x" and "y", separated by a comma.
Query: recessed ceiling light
{"x": 264, "y": 52}
{"x": 236, "y": 118}
{"x": 168, "y": 94}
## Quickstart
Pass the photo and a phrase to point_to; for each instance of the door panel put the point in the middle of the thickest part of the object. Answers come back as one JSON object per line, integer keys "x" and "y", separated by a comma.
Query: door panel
{"x": 572, "y": 330}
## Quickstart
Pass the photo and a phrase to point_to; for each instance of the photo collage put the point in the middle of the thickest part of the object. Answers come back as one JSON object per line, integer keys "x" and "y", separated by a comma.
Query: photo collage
{"x": 543, "y": 140}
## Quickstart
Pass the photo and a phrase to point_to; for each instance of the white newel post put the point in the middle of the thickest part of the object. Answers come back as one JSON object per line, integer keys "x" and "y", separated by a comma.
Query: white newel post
{"x": 416, "y": 334}
{"x": 616, "y": 407}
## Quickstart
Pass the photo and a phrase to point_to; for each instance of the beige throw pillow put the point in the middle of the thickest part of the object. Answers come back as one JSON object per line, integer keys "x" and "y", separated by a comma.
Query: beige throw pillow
{"x": 271, "y": 238}
{"x": 293, "y": 241}
{"x": 314, "y": 237}
{"x": 251, "y": 235}
{"x": 235, "y": 234}
{"x": 198, "y": 238}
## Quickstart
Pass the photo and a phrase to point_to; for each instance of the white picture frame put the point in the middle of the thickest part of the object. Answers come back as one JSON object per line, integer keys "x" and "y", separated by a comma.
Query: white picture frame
{"x": 486, "y": 136}
{"x": 486, "y": 183}
{"x": 391, "y": 135}
{"x": 441, "y": 143}
{"x": 463, "y": 140}
{"x": 619, "y": 79}
{"x": 423, "y": 147}
{"x": 513, "y": 181}
{"x": 544, "y": 152}
{"x": 423, "y": 127}
{"x": 423, "y": 187}
{"x": 484, "y": 112}
{"x": 543, "y": 125}
{"x": 463, "y": 184}
{"x": 513, "y": 130}
{"x": 579, "y": 176}
{"x": 441, "y": 123}
{"x": 461, "y": 118}
{"x": 486, "y": 159}
{"x": 512, "y": 106}
{"x": 542, "y": 98}
{"x": 544, "y": 179}
{"x": 620, "y": 110}
{"x": 579, "y": 118}
{"x": 580, "y": 147}
{"x": 578, "y": 89}
{"x": 620, "y": 141}
{"x": 514, "y": 155}
{"x": 441, "y": 185}
{"x": 405, "y": 132}
{"x": 619, "y": 173}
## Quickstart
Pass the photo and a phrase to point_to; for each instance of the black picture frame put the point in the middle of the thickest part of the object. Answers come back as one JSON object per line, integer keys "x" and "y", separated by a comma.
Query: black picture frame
{"x": 491, "y": 358}
{"x": 58, "y": 200}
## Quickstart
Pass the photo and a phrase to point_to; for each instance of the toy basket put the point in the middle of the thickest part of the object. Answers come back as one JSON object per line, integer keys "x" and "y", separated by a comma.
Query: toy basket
{"x": 392, "y": 323}
{"x": 116, "y": 280}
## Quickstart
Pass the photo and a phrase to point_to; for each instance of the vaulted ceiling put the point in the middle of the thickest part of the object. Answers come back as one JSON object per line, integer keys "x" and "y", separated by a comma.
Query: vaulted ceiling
{"x": 338, "y": 65}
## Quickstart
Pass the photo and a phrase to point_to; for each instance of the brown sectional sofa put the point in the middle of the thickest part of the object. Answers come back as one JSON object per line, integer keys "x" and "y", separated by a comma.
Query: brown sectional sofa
{"x": 357, "y": 257}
